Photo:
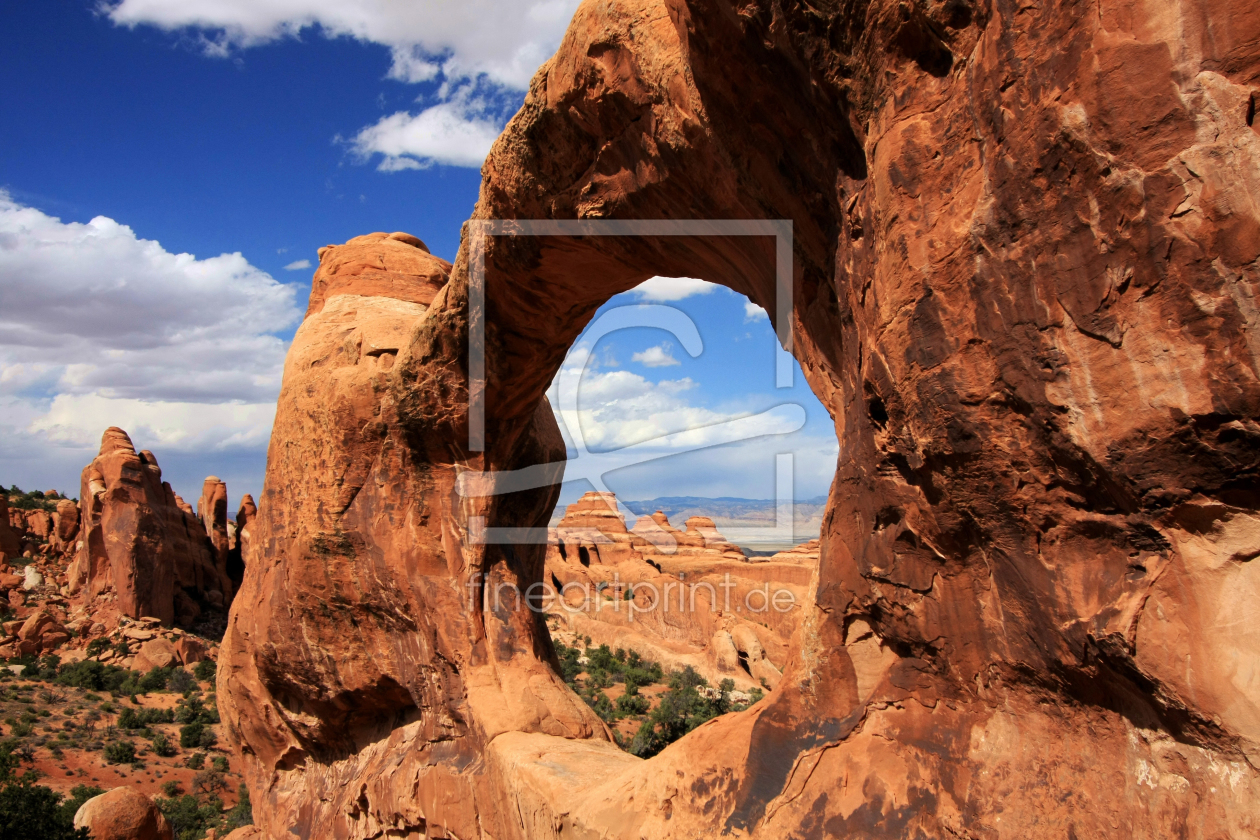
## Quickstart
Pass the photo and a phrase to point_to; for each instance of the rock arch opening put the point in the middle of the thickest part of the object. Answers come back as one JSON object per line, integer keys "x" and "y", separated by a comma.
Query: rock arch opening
{"x": 669, "y": 399}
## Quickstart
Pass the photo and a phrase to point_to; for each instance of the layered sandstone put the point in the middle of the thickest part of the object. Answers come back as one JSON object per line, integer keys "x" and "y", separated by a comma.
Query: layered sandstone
{"x": 1024, "y": 253}
{"x": 10, "y": 541}
{"x": 212, "y": 511}
{"x": 359, "y": 649}
{"x": 679, "y": 598}
{"x": 141, "y": 551}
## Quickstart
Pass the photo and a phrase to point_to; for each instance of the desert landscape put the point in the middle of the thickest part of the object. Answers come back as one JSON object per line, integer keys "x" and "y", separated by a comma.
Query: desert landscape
{"x": 1022, "y": 267}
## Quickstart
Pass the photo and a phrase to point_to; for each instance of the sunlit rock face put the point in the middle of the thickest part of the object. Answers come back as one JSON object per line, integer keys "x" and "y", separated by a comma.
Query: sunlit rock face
{"x": 678, "y": 598}
{"x": 140, "y": 550}
{"x": 1024, "y": 251}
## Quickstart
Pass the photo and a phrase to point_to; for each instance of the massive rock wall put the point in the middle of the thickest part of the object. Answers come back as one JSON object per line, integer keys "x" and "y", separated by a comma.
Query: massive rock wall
{"x": 358, "y": 660}
{"x": 1025, "y": 271}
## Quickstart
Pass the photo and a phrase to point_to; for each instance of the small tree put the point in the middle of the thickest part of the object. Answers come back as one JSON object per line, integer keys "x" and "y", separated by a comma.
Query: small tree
{"x": 120, "y": 752}
{"x": 161, "y": 746}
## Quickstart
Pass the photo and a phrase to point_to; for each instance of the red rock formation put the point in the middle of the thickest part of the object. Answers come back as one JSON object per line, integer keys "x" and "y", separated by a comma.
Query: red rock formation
{"x": 142, "y": 552}
{"x": 241, "y": 540}
{"x": 1024, "y": 252}
{"x": 66, "y": 528}
{"x": 677, "y": 598}
{"x": 212, "y": 511}
{"x": 383, "y": 265}
{"x": 10, "y": 542}
{"x": 39, "y": 523}
{"x": 359, "y": 634}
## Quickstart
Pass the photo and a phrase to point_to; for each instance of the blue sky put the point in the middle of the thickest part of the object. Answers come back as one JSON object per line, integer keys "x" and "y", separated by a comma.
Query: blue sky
{"x": 164, "y": 162}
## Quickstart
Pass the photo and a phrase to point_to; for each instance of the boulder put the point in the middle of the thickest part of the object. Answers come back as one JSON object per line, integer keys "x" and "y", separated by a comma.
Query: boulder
{"x": 66, "y": 526}
{"x": 122, "y": 814}
{"x": 31, "y": 578}
{"x": 8, "y": 581}
{"x": 157, "y": 653}
{"x": 189, "y": 650}
{"x": 38, "y": 624}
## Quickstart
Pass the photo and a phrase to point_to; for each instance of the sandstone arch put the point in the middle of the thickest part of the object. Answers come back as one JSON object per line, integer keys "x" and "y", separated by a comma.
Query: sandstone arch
{"x": 1028, "y": 303}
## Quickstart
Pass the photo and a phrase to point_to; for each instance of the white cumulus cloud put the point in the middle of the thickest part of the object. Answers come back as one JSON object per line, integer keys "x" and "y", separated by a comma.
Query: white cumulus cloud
{"x": 99, "y": 327}
{"x": 491, "y": 42}
{"x": 658, "y": 356}
{"x": 298, "y": 265}
{"x": 753, "y": 312}
{"x": 458, "y": 132}
{"x": 505, "y": 41}
{"x": 664, "y": 289}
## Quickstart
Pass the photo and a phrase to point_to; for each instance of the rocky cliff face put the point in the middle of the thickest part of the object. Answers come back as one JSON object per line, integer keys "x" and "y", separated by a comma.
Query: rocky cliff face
{"x": 1025, "y": 244}
{"x": 360, "y": 638}
{"x": 679, "y": 598}
{"x": 141, "y": 550}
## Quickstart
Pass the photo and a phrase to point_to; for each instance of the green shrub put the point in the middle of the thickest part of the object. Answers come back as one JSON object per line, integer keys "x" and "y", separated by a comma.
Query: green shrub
{"x": 190, "y": 735}
{"x": 632, "y": 704}
{"x": 681, "y": 710}
{"x": 171, "y": 787}
{"x": 162, "y": 746}
{"x": 188, "y": 817}
{"x": 96, "y": 647}
{"x": 33, "y": 812}
{"x": 155, "y": 680}
{"x": 602, "y": 706}
{"x": 180, "y": 681}
{"x": 242, "y": 813}
{"x": 196, "y": 761}
{"x": 219, "y": 763}
{"x": 120, "y": 752}
{"x": 129, "y": 718}
{"x": 205, "y": 670}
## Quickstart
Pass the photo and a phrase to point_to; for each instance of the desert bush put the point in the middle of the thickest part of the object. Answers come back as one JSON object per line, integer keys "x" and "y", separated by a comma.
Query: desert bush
{"x": 242, "y": 812}
{"x": 162, "y": 746}
{"x": 155, "y": 680}
{"x": 180, "y": 681}
{"x": 120, "y": 752}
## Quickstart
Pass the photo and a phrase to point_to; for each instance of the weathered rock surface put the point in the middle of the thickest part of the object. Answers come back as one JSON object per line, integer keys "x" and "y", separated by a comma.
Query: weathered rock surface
{"x": 239, "y": 547}
{"x": 1025, "y": 243}
{"x": 66, "y": 528}
{"x": 142, "y": 551}
{"x": 212, "y": 511}
{"x": 10, "y": 542}
{"x": 678, "y": 598}
{"x": 359, "y": 635}
{"x": 122, "y": 814}
{"x": 155, "y": 653}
